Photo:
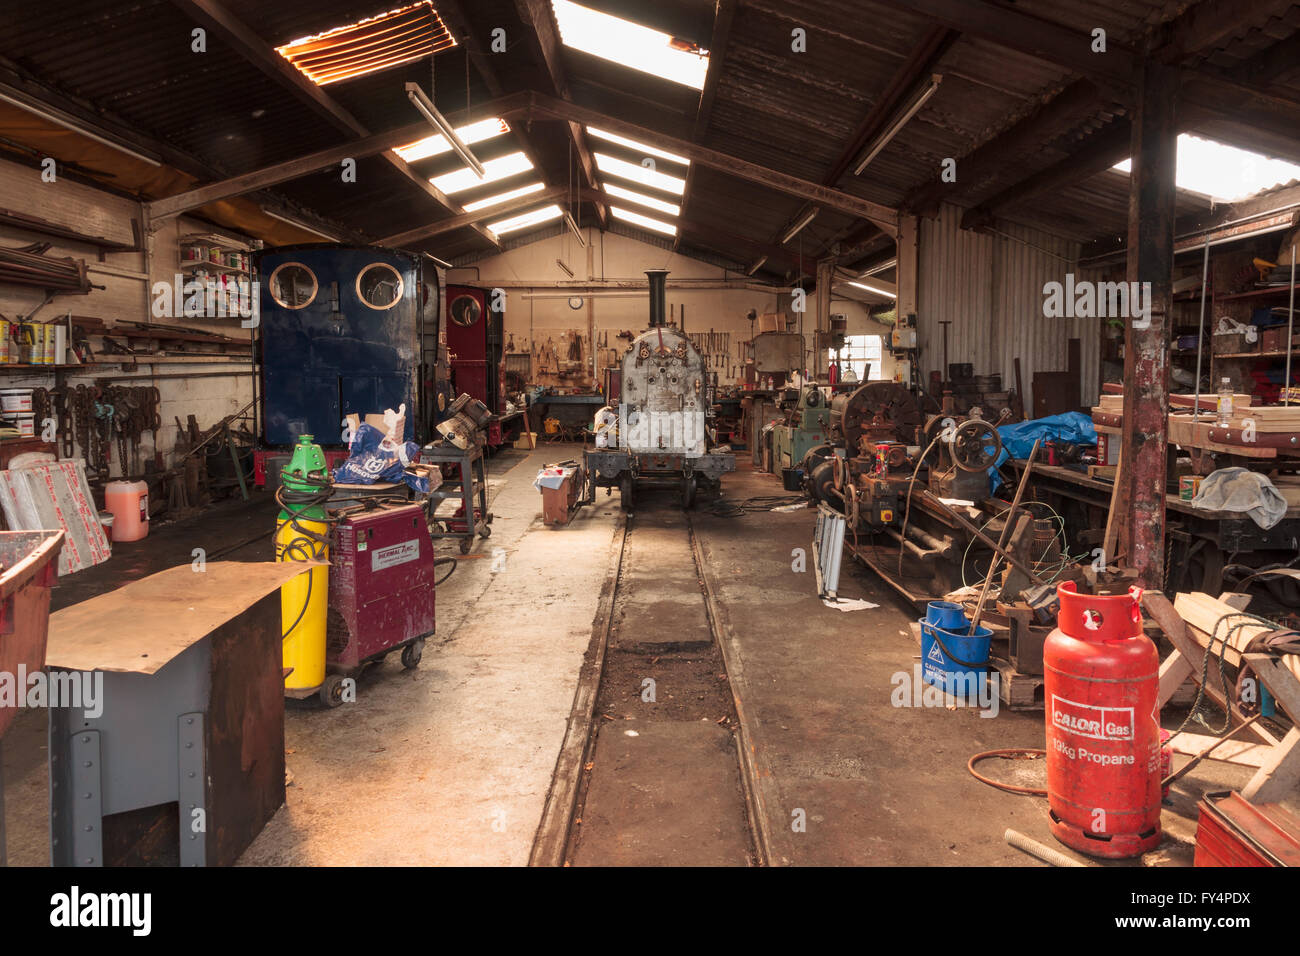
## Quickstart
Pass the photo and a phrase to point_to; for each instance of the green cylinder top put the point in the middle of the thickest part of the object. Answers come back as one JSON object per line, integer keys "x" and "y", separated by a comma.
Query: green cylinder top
{"x": 307, "y": 459}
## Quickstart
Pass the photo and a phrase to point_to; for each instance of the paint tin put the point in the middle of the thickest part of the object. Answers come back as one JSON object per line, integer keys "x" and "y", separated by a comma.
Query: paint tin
{"x": 15, "y": 400}
{"x": 4, "y": 341}
{"x": 26, "y": 424}
{"x": 1188, "y": 486}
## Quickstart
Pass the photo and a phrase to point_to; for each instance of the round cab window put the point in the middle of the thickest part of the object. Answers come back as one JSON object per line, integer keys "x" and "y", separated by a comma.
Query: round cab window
{"x": 465, "y": 310}
{"x": 379, "y": 286}
{"x": 293, "y": 285}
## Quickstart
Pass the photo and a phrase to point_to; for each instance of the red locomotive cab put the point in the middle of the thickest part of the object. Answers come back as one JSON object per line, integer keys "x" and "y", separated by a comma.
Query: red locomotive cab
{"x": 1101, "y": 677}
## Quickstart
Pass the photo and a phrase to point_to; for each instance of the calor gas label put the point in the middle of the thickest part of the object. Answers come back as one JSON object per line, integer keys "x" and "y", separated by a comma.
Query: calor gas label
{"x": 1089, "y": 720}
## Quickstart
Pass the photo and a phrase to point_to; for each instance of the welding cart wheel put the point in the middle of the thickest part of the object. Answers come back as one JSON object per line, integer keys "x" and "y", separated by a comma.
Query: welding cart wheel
{"x": 466, "y": 544}
{"x": 412, "y": 653}
{"x": 331, "y": 692}
{"x": 485, "y": 531}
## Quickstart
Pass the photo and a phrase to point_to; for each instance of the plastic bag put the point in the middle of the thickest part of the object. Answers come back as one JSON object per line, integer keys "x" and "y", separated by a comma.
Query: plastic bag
{"x": 373, "y": 457}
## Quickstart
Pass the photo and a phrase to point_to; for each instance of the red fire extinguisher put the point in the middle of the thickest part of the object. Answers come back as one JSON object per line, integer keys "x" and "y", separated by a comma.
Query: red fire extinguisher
{"x": 1101, "y": 684}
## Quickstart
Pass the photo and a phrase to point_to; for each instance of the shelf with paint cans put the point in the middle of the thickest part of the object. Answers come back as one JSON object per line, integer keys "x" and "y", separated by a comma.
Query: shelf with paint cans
{"x": 218, "y": 253}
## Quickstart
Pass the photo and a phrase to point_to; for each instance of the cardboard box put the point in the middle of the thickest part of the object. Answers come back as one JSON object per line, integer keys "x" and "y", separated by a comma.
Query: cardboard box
{"x": 771, "y": 322}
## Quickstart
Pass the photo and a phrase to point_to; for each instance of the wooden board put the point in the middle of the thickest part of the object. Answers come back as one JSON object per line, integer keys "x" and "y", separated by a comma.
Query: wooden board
{"x": 1244, "y": 753}
{"x": 1202, "y": 612}
{"x": 1018, "y": 691}
{"x": 144, "y": 624}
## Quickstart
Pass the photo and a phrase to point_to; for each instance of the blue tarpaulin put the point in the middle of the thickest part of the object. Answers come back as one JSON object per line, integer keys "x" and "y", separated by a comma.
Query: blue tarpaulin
{"x": 1018, "y": 439}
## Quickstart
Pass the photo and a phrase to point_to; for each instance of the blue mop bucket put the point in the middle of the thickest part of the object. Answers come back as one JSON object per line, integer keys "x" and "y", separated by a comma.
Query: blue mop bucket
{"x": 947, "y": 615}
{"x": 955, "y": 661}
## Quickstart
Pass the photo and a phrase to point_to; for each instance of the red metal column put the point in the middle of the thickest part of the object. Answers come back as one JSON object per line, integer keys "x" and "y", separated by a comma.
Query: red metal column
{"x": 1141, "y": 503}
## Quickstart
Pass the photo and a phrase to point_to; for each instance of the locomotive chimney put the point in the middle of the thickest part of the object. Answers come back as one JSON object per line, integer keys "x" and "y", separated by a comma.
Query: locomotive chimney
{"x": 658, "y": 295}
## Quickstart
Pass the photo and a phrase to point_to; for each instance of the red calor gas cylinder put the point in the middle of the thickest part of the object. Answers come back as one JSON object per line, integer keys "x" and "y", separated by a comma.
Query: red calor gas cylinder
{"x": 1101, "y": 681}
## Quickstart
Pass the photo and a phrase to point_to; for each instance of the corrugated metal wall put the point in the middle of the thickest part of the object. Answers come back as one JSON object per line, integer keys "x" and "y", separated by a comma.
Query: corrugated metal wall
{"x": 991, "y": 288}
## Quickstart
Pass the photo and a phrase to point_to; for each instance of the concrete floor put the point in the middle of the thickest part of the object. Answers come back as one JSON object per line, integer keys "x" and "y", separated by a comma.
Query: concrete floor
{"x": 451, "y": 763}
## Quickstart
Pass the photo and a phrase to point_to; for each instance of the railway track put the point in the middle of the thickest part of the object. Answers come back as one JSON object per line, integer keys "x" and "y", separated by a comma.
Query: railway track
{"x": 654, "y": 769}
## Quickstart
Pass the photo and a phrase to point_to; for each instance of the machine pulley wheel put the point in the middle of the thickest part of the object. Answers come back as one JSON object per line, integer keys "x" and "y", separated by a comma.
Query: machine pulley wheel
{"x": 975, "y": 445}
{"x": 839, "y": 473}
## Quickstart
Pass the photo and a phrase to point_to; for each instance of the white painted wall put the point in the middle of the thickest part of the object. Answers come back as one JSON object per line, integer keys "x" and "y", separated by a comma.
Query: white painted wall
{"x": 127, "y": 278}
{"x": 533, "y": 319}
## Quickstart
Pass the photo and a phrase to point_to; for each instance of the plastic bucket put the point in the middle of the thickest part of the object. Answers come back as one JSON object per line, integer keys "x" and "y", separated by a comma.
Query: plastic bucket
{"x": 955, "y": 662}
{"x": 947, "y": 615}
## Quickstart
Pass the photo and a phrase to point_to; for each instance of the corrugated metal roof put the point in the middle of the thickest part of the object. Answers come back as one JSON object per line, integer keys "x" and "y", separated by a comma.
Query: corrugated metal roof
{"x": 795, "y": 112}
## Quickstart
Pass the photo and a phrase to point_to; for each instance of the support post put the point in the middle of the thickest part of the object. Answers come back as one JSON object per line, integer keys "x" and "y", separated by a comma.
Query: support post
{"x": 1144, "y": 467}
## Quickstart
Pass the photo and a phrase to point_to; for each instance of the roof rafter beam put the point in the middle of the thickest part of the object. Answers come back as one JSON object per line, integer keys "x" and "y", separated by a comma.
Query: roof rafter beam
{"x": 215, "y": 17}
{"x": 322, "y": 159}
{"x": 546, "y": 39}
{"x": 1112, "y": 145}
{"x": 884, "y": 216}
{"x": 918, "y": 66}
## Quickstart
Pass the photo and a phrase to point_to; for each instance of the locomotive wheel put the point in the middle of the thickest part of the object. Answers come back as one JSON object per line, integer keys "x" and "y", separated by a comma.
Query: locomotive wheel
{"x": 688, "y": 493}
{"x": 412, "y": 653}
{"x": 331, "y": 692}
{"x": 625, "y": 493}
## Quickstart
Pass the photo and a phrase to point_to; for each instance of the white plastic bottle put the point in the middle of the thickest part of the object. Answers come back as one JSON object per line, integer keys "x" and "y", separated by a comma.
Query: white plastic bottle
{"x": 1225, "y": 403}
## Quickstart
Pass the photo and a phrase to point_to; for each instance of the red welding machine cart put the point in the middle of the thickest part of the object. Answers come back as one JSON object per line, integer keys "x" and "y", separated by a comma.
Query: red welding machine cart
{"x": 381, "y": 595}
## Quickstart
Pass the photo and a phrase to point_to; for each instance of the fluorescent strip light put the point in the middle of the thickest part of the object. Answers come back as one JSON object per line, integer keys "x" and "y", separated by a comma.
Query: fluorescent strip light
{"x": 879, "y": 267}
{"x": 911, "y": 109}
{"x": 299, "y": 225}
{"x": 425, "y": 106}
{"x": 631, "y": 195}
{"x": 629, "y": 44}
{"x": 639, "y": 174}
{"x": 504, "y": 197}
{"x": 872, "y": 288}
{"x": 637, "y": 147}
{"x": 573, "y": 228}
{"x": 502, "y": 167}
{"x": 437, "y": 144}
{"x": 803, "y": 220}
{"x": 546, "y": 213}
{"x": 645, "y": 221}
{"x": 758, "y": 264}
{"x": 58, "y": 120}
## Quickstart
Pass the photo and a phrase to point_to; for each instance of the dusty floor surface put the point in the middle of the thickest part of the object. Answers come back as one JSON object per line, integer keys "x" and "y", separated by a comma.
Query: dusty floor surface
{"x": 451, "y": 763}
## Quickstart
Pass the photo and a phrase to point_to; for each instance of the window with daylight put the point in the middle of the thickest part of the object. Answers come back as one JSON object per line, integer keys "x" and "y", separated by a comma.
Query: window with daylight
{"x": 859, "y": 352}
{"x": 1224, "y": 172}
{"x": 379, "y": 43}
{"x": 630, "y": 44}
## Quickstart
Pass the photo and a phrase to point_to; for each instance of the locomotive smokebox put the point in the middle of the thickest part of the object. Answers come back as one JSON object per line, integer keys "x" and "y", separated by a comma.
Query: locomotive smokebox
{"x": 658, "y": 296}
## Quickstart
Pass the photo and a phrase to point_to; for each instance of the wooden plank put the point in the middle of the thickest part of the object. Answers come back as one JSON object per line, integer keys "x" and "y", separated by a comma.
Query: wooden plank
{"x": 1241, "y": 752}
{"x": 1279, "y": 775}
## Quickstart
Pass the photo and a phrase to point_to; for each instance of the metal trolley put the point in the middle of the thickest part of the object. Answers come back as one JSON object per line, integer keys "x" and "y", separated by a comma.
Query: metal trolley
{"x": 474, "y": 520}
